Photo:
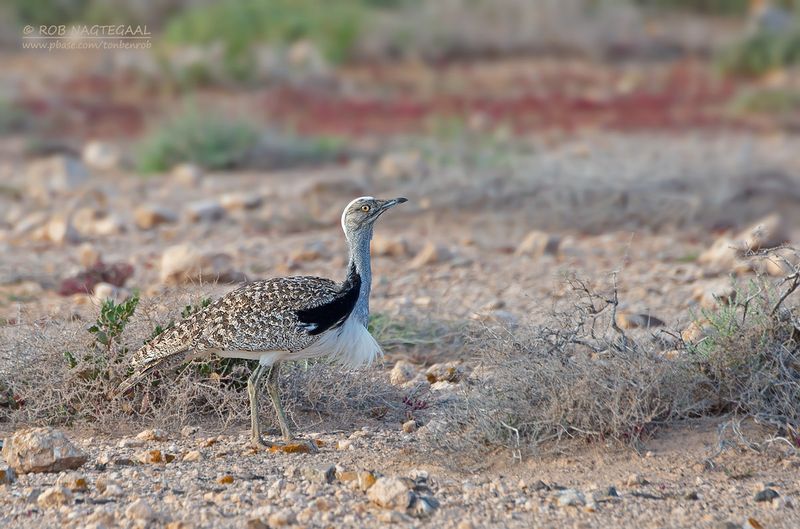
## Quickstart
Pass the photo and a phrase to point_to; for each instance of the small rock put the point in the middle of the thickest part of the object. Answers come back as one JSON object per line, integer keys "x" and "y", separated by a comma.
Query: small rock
{"x": 766, "y": 494}
{"x": 324, "y": 473}
{"x": 154, "y": 434}
{"x": 188, "y": 431}
{"x": 538, "y": 243}
{"x": 7, "y": 475}
{"x": 150, "y": 457}
{"x": 391, "y": 493}
{"x": 696, "y": 331}
{"x": 240, "y": 201}
{"x": 366, "y": 480}
{"x": 389, "y": 247}
{"x": 423, "y": 506}
{"x": 400, "y": 165}
{"x": 192, "y": 455}
{"x": 394, "y": 517}
{"x": 88, "y": 255}
{"x": 148, "y": 217}
{"x": 281, "y": 518}
{"x": 101, "y": 155}
{"x": 41, "y": 450}
{"x": 184, "y": 264}
{"x": 402, "y": 372}
{"x": 74, "y": 481}
{"x": 205, "y": 211}
{"x": 635, "y": 479}
{"x": 769, "y": 232}
{"x": 54, "y": 497}
{"x": 781, "y": 262}
{"x": 445, "y": 372}
{"x": 187, "y": 174}
{"x": 571, "y": 498}
{"x": 712, "y": 294}
{"x": 430, "y": 254}
{"x": 139, "y": 510}
{"x": 627, "y": 320}
{"x": 57, "y": 174}
{"x": 225, "y": 480}
{"x": 59, "y": 230}
{"x": 410, "y": 426}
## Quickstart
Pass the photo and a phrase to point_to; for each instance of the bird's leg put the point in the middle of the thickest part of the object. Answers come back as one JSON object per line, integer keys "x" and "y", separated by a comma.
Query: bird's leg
{"x": 273, "y": 390}
{"x": 252, "y": 391}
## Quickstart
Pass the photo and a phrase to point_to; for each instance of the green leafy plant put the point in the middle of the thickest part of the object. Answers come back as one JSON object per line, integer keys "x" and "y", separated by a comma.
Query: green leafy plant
{"x": 112, "y": 320}
{"x": 761, "y": 53}
{"x": 214, "y": 142}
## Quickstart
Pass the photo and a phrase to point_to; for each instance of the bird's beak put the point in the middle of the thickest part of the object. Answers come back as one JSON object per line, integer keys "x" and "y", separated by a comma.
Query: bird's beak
{"x": 393, "y": 202}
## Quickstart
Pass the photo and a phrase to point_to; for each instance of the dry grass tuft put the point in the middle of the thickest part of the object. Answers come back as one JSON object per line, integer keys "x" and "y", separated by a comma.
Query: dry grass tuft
{"x": 60, "y": 375}
{"x": 580, "y": 377}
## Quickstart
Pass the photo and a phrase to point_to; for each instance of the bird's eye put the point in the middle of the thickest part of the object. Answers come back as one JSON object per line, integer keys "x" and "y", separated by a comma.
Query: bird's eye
{"x": 365, "y": 208}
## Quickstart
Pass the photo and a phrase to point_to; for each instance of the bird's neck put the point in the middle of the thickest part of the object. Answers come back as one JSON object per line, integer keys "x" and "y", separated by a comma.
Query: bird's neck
{"x": 360, "y": 264}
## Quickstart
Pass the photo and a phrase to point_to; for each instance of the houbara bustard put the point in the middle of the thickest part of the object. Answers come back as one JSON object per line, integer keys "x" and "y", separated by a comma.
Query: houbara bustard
{"x": 282, "y": 319}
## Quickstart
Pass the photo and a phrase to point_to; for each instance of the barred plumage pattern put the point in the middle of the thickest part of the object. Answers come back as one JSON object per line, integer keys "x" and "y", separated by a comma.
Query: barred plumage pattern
{"x": 259, "y": 316}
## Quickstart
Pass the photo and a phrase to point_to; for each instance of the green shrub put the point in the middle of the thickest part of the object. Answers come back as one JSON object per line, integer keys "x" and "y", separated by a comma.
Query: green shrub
{"x": 766, "y": 101}
{"x": 711, "y": 7}
{"x": 333, "y": 26}
{"x": 761, "y": 53}
{"x": 210, "y": 141}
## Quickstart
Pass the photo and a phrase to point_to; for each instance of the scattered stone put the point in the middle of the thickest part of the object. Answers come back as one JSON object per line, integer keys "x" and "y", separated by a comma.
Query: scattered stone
{"x": 205, "y": 211}
{"x": 696, "y": 331}
{"x": 571, "y": 498}
{"x": 444, "y": 372}
{"x": 188, "y": 431}
{"x": 281, "y": 518}
{"x": 240, "y": 201}
{"x": 323, "y": 474}
{"x": 154, "y": 434}
{"x": 148, "y": 217}
{"x": 59, "y": 230}
{"x": 769, "y": 232}
{"x": 400, "y": 165}
{"x": 74, "y": 481}
{"x": 635, "y": 480}
{"x": 139, "y": 510}
{"x": 627, "y": 320}
{"x": 84, "y": 282}
{"x": 781, "y": 262}
{"x": 7, "y": 475}
{"x": 714, "y": 293}
{"x": 54, "y": 497}
{"x": 500, "y": 317}
{"x": 312, "y": 251}
{"x": 410, "y": 426}
{"x": 423, "y": 506}
{"x": 766, "y": 494}
{"x": 92, "y": 222}
{"x": 192, "y": 455}
{"x": 389, "y": 247}
{"x": 430, "y": 254}
{"x": 691, "y": 495}
{"x": 605, "y": 493}
{"x": 538, "y": 243}
{"x": 54, "y": 175}
{"x": 152, "y": 457}
{"x": 101, "y": 155}
{"x": 88, "y": 255}
{"x": 391, "y": 493}
{"x": 225, "y": 480}
{"x": 41, "y": 450}
{"x": 366, "y": 480}
{"x": 394, "y": 517}
{"x": 187, "y": 174}
{"x": 185, "y": 264}
{"x": 402, "y": 372}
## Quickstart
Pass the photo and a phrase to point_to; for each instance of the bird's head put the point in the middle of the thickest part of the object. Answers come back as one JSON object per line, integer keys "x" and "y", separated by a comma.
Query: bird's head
{"x": 360, "y": 214}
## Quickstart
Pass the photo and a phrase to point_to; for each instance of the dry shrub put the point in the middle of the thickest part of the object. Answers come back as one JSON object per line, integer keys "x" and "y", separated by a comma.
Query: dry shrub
{"x": 54, "y": 388}
{"x": 581, "y": 377}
